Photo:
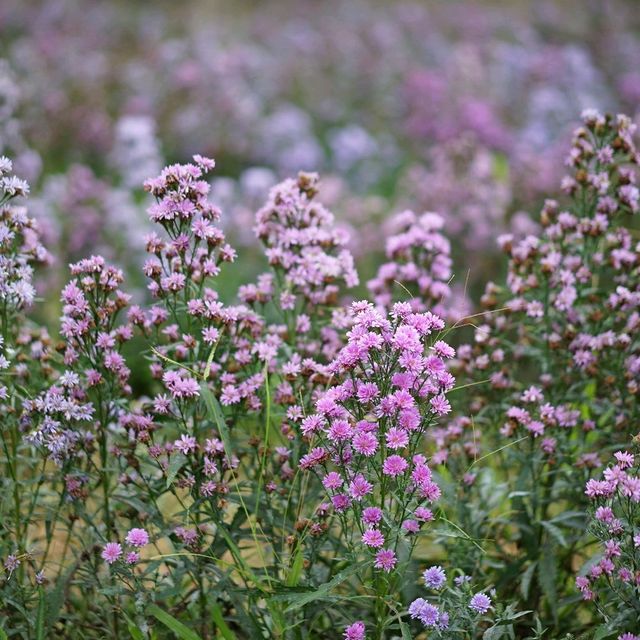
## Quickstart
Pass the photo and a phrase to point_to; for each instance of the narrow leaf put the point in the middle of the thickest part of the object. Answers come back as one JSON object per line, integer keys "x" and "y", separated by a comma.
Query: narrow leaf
{"x": 324, "y": 590}
{"x": 177, "y": 462}
{"x": 182, "y": 631}
{"x": 547, "y": 578}
{"x": 525, "y": 583}
{"x": 555, "y": 533}
{"x": 221, "y": 625}
{"x": 40, "y": 621}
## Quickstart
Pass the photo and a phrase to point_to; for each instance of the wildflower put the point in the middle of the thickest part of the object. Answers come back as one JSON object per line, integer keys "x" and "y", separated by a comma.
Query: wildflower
{"x": 355, "y": 631}
{"x": 428, "y": 614}
{"x": 394, "y": 465}
{"x": 397, "y": 438}
{"x": 434, "y": 577}
{"x": 365, "y": 443}
{"x": 332, "y": 480}
{"x": 480, "y": 603}
{"x": 316, "y": 260}
{"x": 11, "y": 563}
{"x": 385, "y": 560}
{"x": 111, "y": 552}
{"x": 373, "y": 538}
{"x": 371, "y": 515}
{"x": 137, "y": 537}
{"x": 440, "y": 405}
{"x": 359, "y": 487}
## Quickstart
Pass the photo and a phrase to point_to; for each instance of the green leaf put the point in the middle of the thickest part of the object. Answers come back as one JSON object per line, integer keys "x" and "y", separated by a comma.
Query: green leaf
{"x": 567, "y": 517}
{"x": 177, "y": 462}
{"x": 296, "y": 569}
{"x": 555, "y": 533}
{"x": 221, "y": 625}
{"x": 405, "y": 631}
{"x": 241, "y": 564}
{"x": 181, "y": 631}
{"x": 494, "y": 633}
{"x": 55, "y": 597}
{"x": 603, "y": 632}
{"x": 324, "y": 590}
{"x": 547, "y": 578}
{"x": 525, "y": 583}
{"x": 3, "y": 635}
{"x": 135, "y": 632}
{"x": 40, "y": 621}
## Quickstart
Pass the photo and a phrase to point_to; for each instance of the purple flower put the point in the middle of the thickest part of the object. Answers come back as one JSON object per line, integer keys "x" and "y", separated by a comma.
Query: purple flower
{"x": 111, "y": 552}
{"x": 434, "y": 577}
{"x": 373, "y": 538}
{"x": 11, "y": 563}
{"x": 371, "y": 515}
{"x": 355, "y": 631}
{"x": 480, "y": 603}
{"x": 359, "y": 487}
{"x": 137, "y": 538}
{"x": 428, "y": 614}
{"x": 394, "y": 465}
{"x": 385, "y": 560}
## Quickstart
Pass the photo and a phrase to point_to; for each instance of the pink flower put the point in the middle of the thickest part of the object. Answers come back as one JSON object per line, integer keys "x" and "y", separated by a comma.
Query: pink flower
{"x": 332, "y": 480}
{"x": 424, "y": 514}
{"x": 443, "y": 350}
{"x": 137, "y": 538}
{"x": 440, "y": 405}
{"x": 339, "y": 430}
{"x": 111, "y": 552}
{"x": 411, "y": 526}
{"x": 373, "y": 538}
{"x": 397, "y": 438}
{"x": 359, "y": 487}
{"x": 365, "y": 443}
{"x": 340, "y": 502}
{"x": 394, "y": 465}
{"x": 186, "y": 444}
{"x": 371, "y": 515}
{"x": 355, "y": 631}
{"x": 385, "y": 560}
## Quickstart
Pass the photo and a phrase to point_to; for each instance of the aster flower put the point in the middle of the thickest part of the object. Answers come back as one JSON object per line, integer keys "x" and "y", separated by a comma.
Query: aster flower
{"x": 386, "y": 560}
{"x": 355, "y": 631}
{"x": 480, "y": 603}
{"x": 303, "y": 244}
{"x": 111, "y": 552}
{"x": 434, "y": 577}
{"x": 137, "y": 537}
{"x": 362, "y": 431}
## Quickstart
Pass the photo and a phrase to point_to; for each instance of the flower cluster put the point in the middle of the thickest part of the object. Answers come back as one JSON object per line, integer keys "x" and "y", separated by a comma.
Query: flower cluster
{"x": 451, "y": 607}
{"x": 389, "y": 386}
{"x": 92, "y": 302}
{"x": 197, "y": 245}
{"x": 20, "y": 247}
{"x": 54, "y": 419}
{"x": 136, "y": 539}
{"x": 570, "y": 304}
{"x": 303, "y": 245}
{"x": 611, "y": 578}
{"x": 190, "y": 322}
{"x": 419, "y": 262}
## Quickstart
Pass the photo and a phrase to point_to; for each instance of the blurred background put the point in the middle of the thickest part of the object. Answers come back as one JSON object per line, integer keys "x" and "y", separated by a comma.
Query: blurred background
{"x": 464, "y": 108}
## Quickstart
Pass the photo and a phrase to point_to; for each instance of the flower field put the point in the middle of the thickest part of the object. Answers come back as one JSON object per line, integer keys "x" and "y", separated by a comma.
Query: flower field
{"x": 319, "y": 320}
